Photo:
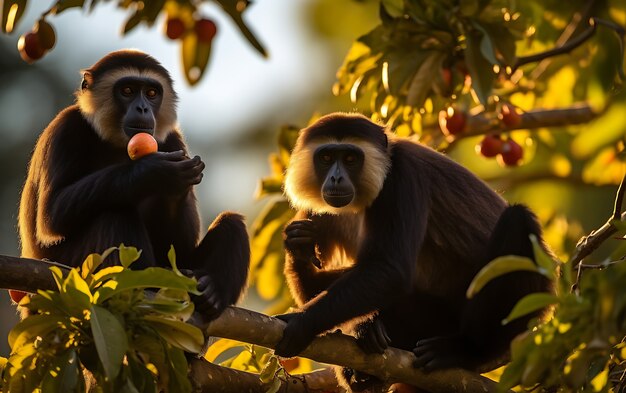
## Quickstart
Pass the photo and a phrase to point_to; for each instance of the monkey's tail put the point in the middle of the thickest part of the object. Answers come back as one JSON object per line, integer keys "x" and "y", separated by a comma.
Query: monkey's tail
{"x": 511, "y": 234}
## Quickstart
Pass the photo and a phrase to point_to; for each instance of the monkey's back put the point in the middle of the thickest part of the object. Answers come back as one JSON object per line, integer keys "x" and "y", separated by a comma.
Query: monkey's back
{"x": 462, "y": 212}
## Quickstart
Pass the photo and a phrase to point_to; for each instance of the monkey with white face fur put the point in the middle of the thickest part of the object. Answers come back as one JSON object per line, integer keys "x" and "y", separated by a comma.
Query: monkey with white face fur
{"x": 393, "y": 232}
{"x": 83, "y": 194}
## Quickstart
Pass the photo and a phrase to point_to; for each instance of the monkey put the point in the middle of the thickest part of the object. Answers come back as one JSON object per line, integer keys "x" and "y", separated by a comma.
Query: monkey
{"x": 387, "y": 237}
{"x": 83, "y": 194}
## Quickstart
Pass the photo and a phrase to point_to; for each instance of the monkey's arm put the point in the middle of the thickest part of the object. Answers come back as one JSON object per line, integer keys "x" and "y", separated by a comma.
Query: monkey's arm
{"x": 304, "y": 266}
{"x": 383, "y": 271}
{"x": 72, "y": 187}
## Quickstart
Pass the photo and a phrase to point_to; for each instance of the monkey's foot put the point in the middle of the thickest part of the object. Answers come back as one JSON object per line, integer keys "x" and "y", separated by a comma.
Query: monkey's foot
{"x": 440, "y": 352}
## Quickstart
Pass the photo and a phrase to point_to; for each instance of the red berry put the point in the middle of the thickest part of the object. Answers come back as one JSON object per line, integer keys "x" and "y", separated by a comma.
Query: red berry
{"x": 174, "y": 28}
{"x": 16, "y": 296}
{"x": 490, "y": 146}
{"x": 29, "y": 47}
{"x": 205, "y": 30}
{"x": 509, "y": 116}
{"x": 451, "y": 121}
{"x": 512, "y": 153}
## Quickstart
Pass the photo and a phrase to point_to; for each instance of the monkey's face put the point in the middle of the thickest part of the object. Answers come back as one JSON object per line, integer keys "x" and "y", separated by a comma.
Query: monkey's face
{"x": 138, "y": 101}
{"x": 338, "y": 166}
{"x": 125, "y": 101}
{"x": 332, "y": 176}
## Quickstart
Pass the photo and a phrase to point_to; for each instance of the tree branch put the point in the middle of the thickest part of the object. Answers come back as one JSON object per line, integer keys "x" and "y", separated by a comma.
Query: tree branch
{"x": 393, "y": 365}
{"x": 484, "y": 123}
{"x": 207, "y": 377}
{"x": 572, "y": 43}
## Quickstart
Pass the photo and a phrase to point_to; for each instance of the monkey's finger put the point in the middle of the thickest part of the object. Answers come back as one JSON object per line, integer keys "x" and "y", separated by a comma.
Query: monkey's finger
{"x": 204, "y": 282}
{"x": 301, "y": 224}
{"x": 299, "y": 241}
{"x": 380, "y": 338}
{"x": 300, "y": 233}
{"x": 177, "y": 155}
{"x": 422, "y": 359}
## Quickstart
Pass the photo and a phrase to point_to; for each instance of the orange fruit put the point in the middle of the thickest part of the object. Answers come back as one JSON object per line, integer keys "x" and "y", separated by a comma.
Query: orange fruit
{"x": 141, "y": 145}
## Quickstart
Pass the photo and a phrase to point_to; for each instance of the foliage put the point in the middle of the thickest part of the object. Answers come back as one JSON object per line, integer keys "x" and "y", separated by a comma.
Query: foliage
{"x": 195, "y": 43}
{"x": 129, "y": 339}
{"x": 427, "y": 55}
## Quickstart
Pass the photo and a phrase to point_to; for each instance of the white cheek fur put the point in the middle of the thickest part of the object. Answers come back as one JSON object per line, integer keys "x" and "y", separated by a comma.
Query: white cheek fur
{"x": 303, "y": 188}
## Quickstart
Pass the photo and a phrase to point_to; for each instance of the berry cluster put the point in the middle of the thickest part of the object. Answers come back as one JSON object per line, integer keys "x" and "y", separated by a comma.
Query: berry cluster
{"x": 452, "y": 122}
{"x": 34, "y": 44}
{"x": 205, "y": 29}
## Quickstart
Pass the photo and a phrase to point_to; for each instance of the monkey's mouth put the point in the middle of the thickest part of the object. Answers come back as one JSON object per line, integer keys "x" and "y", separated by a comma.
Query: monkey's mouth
{"x": 337, "y": 198}
{"x": 131, "y": 130}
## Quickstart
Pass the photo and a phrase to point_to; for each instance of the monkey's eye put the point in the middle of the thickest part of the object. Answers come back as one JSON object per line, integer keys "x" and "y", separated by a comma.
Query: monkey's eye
{"x": 350, "y": 158}
{"x": 151, "y": 93}
{"x": 326, "y": 158}
{"x": 127, "y": 91}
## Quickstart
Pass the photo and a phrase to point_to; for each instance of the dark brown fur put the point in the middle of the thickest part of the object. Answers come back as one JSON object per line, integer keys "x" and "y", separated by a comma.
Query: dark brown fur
{"x": 83, "y": 194}
{"x": 410, "y": 256}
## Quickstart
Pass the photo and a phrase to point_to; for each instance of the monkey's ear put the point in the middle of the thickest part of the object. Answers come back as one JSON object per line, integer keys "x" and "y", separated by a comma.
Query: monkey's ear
{"x": 386, "y": 140}
{"x": 87, "y": 79}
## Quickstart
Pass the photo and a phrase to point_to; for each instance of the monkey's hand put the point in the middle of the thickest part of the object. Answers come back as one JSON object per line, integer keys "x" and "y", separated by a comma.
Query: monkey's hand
{"x": 440, "y": 352}
{"x": 296, "y": 336}
{"x": 300, "y": 239}
{"x": 209, "y": 303}
{"x": 169, "y": 172}
{"x": 372, "y": 337}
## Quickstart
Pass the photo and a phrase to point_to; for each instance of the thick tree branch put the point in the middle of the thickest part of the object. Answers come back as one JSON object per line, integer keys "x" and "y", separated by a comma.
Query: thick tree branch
{"x": 394, "y": 365}
{"x": 207, "y": 377}
{"x": 484, "y": 123}
{"x": 335, "y": 348}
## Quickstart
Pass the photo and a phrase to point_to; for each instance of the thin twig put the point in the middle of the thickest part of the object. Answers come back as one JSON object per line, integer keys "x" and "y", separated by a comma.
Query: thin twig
{"x": 566, "y": 35}
{"x": 571, "y": 44}
{"x": 619, "y": 200}
{"x": 591, "y": 242}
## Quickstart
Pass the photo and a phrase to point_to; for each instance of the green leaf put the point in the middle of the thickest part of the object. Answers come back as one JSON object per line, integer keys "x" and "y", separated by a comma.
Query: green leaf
{"x": 421, "y": 84}
{"x": 487, "y": 48}
{"x": 33, "y": 326}
{"x": 93, "y": 261}
{"x": 195, "y": 56}
{"x": 63, "y": 374}
{"x": 547, "y": 266}
{"x": 233, "y": 8}
{"x": 220, "y": 346}
{"x": 141, "y": 377}
{"x": 76, "y": 294}
{"x": 178, "y": 373}
{"x": 179, "y": 334}
{"x": 128, "y": 255}
{"x": 171, "y": 256}
{"x": 529, "y": 304}
{"x": 12, "y": 11}
{"x": 480, "y": 69}
{"x": 106, "y": 274}
{"x": 57, "y": 274}
{"x": 497, "y": 268}
{"x": 269, "y": 371}
{"x": 110, "y": 339}
{"x": 152, "y": 277}
{"x": 501, "y": 42}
